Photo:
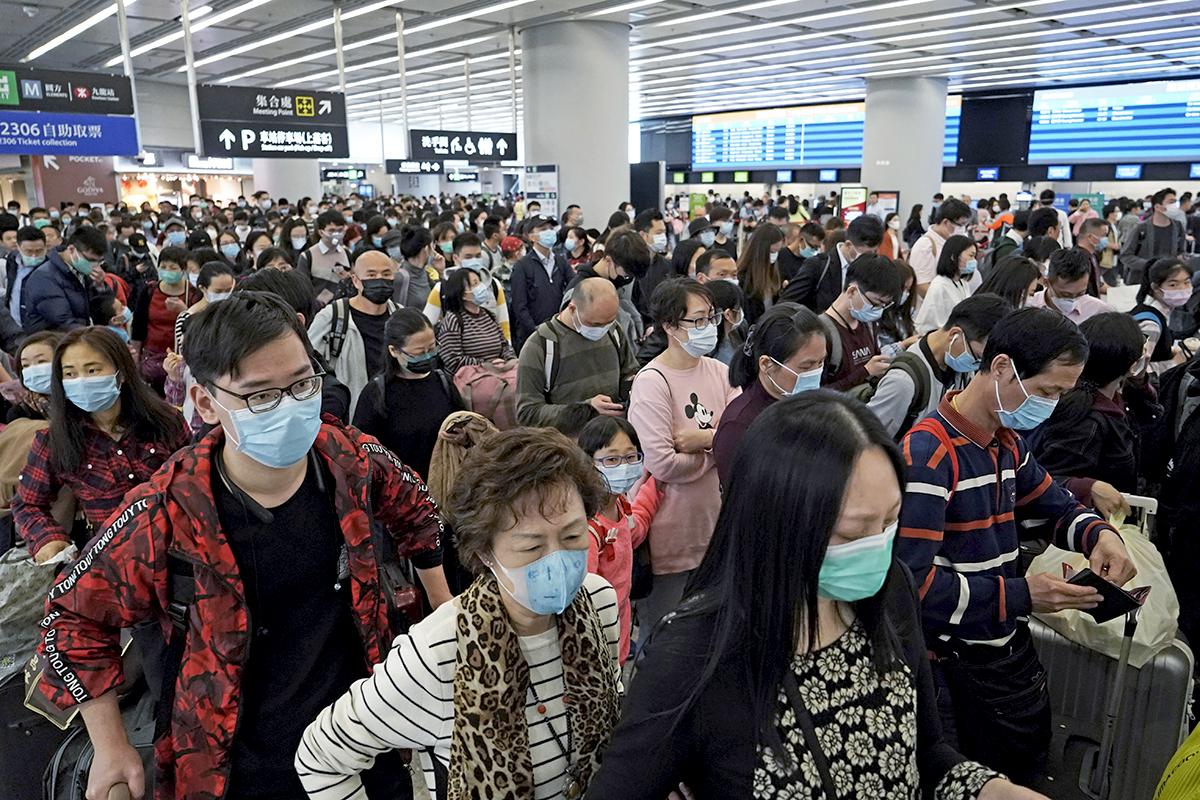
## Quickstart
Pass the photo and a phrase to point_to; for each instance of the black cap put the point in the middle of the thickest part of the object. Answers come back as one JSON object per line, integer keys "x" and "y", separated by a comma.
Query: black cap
{"x": 699, "y": 224}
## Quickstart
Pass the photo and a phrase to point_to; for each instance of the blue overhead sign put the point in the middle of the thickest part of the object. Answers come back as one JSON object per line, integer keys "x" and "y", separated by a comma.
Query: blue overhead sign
{"x": 30, "y": 133}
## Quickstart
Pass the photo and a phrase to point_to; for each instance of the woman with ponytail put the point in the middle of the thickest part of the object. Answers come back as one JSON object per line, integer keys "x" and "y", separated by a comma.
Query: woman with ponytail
{"x": 1166, "y": 286}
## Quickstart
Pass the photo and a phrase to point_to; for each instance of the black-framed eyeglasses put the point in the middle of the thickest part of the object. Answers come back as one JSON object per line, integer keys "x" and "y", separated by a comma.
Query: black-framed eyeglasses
{"x": 700, "y": 323}
{"x": 616, "y": 461}
{"x": 264, "y": 400}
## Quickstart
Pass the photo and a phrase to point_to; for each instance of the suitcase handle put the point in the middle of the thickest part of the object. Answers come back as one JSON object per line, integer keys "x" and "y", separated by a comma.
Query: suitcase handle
{"x": 119, "y": 791}
{"x": 1148, "y": 504}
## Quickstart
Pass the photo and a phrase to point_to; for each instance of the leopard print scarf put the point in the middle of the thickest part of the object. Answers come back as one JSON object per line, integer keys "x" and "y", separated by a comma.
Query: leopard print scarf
{"x": 489, "y": 748}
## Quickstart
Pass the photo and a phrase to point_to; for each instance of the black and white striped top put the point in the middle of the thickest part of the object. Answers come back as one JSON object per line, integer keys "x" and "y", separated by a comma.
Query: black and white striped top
{"x": 471, "y": 339}
{"x": 408, "y": 703}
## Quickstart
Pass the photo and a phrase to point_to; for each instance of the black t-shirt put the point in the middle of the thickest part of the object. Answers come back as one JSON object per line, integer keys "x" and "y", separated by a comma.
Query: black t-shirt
{"x": 789, "y": 264}
{"x": 412, "y": 414}
{"x": 304, "y": 650}
{"x": 370, "y": 327}
{"x": 729, "y": 246}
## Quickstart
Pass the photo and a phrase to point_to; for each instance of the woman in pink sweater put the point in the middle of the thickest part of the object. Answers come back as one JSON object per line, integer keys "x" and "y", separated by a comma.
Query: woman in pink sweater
{"x": 675, "y": 405}
{"x": 620, "y": 527}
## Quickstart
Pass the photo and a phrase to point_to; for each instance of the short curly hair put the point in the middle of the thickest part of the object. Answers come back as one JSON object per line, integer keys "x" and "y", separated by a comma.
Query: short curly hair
{"x": 506, "y": 470}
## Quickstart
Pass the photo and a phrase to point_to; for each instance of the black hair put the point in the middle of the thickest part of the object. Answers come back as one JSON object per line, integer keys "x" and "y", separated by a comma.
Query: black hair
{"x": 1161, "y": 195}
{"x": 202, "y": 256}
{"x": 597, "y": 434}
{"x": 1069, "y": 265}
{"x": 270, "y": 254}
{"x": 726, "y": 295}
{"x": 1034, "y": 338}
{"x": 629, "y": 251}
{"x": 646, "y": 219}
{"x": 953, "y": 210}
{"x": 30, "y": 233}
{"x": 466, "y": 239}
{"x": 224, "y": 334}
{"x": 876, "y": 274}
{"x": 403, "y": 323}
{"x": 1093, "y": 224}
{"x": 1040, "y": 248}
{"x": 670, "y": 301}
{"x": 758, "y": 277}
{"x": 175, "y": 255}
{"x": 327, "y": 218}
{"x": 102, "y": 307}
{"x": 1158, "y": 272}
{"x": 143, "y": 413}
{"x": 1042, "y": 220}
{"x": 978, "y": 314}
{"x": 757, "y": 584}
{"x": 294, "y": 288}
{"x": 1010, "y": 279}
{"x": 491, "y": 226}
{"x": 1021, "y": 220}
{"x": 779, "y": 334}
{"x": 375, "y": 223}
{"x": 211, "y": 270}
{"x": 865, "y": 231}
{"x": 1047, "y": 196}
{"x": 682, "y": 257}
{"x": 88, "y": 238}
{"x": 1115, "y": 343}
{"x": 952, "y": 250}
{"x": 414, "y": 239}
{"x": 718, "y": 214}
{"x": 454, "y": 290}
{"x": 778, "y": 212}
{"x": 708, "y": 256}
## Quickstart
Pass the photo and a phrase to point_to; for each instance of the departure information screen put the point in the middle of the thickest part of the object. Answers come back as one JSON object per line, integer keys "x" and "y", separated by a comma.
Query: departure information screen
{"x": 798, "y": 136}
{"x": 1154, "y": 121}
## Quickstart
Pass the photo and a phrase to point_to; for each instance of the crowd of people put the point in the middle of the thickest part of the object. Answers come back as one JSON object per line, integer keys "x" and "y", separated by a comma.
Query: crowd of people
{"x": 412, "y": 483}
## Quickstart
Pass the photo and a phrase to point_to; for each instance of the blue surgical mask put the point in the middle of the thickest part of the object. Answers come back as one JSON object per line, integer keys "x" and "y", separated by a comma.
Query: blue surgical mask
{"x": 473, "y": 264}
{"x": 548, "y": 585}
{"x": 1102, "y": 244}
{"x": 726, "y": 227}
{"x": 280, "y": 437}
{"x": 660, "y": 243}
{"x": 176, "y": 238}
{"x": 856, "y": 570}
{"x": 299, "y": 242}
{"x": 1032, "y": 412}
{"x": 121, "y": 333}
{"x": 216, "y": 297}
{"x": 170, "y": 275}
{"x": 964, "y": 361}
{"x": 230, "y": 250}
{"x": 194, "y": 278}
{"x": 805, "y": 381}
{"x": 808, "y": 252}
{"x": 547, "y": 238}
{"x": 36, "y": 377}
{"x": 593, "y": 333}
{"x": 482, "y": 294}
{"x": 869, "y": 313}
{"x": 127, "y": 315}
{"x": 569, "y": 244}
{"x": 708, "y": 237}
{"x": 621, "y": 478}
{"x": 699, "y": 343}
{"x": 92, "y": 394}
{"x": 82, "y": 266}
{"x": 969, "y": 268}
{"x": 1065, "y": 304}
{"x": 377, "y": 241}
{"x": 393, "y": 252}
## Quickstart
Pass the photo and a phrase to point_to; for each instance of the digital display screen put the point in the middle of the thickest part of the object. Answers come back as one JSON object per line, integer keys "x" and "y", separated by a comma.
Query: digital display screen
{"x": 795, "y": 136}
{"x": 741, "y": 177}
{"x": 707, "y": 177}
{"x": 1058, "y": 173}
{"x": 987, "y": 174}
{"x": 1153, "y": 121}
{"x": 1194, "y": 172}
{"x": 783, "y": 176}
{"x": 827, "y": 176}
{"x": 678, "y": 177}
{"x": 1128, "y": 172}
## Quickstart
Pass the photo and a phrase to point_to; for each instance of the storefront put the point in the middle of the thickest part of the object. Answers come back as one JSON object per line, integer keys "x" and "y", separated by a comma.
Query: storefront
{"x": 175, "y": 176}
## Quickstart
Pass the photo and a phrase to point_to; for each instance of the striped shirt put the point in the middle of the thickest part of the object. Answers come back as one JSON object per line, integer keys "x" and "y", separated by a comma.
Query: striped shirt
{"x": 408, "y": 703}
{"x": 468, "y": 338}
{"x": 433, "y": 308}
{"x": 966, "y": 492}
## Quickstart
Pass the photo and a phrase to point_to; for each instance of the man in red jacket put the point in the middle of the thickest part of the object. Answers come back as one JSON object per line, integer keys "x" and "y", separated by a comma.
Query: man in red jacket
{"x": 271, "y": 514}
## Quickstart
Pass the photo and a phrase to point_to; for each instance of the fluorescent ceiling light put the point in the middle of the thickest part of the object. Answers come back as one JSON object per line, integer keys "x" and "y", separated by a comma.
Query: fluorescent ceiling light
{"x": 422, "y": 71}
{"x": 742, "y": 9}
{"x": 74, "y": 30}
{"x": 386, "y": 60}
{"x": 617, "y": 9}
{"x": 481, "y": 12}
{"x": 209, "y": 21}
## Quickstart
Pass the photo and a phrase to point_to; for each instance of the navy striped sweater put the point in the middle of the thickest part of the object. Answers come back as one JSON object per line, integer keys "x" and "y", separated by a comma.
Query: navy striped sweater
{"x": 967, "y": 491}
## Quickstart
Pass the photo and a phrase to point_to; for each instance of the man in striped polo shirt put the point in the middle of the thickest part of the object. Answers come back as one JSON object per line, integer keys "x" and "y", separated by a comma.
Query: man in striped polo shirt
{"x": 972, "y": 479}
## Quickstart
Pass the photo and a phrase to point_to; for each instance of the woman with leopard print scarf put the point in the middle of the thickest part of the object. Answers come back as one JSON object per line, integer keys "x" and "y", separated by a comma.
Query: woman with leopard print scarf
{"x": 512, "y": 687}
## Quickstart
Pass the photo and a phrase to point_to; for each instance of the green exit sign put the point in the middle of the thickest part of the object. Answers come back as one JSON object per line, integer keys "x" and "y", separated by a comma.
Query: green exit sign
{"x": 8, "y": 88}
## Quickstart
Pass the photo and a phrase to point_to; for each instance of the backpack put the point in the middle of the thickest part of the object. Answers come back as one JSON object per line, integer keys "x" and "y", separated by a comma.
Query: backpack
{"x": 490, "y": 391}
{"x": 987, "y": 261}
{"x": 336, "y": 338}
{"x": 381, "y": 390}
{"x": 554, "y": 358}
{"x": 912, "y": 365}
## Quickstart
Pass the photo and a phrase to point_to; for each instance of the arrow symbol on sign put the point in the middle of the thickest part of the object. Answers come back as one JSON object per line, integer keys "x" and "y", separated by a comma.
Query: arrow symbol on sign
{"x": 227, "y": 138}
{"x": 325, "y": 107}
{"x": 502, "y": 146}
{"x": 51, "y": 162}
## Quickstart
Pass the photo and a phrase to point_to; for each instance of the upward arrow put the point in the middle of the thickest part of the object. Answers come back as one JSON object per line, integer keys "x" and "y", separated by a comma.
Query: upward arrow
{"x": 227, "y": 138}
{"x": 324, "y": 107}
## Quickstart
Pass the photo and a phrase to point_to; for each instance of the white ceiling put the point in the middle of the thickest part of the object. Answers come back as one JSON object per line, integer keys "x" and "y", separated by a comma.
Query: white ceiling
{"x": 687, "y": 56}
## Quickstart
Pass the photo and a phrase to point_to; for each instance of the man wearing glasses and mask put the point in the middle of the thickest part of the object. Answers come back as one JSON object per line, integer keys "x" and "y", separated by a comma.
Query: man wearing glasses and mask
{"x": 253, "y": 548}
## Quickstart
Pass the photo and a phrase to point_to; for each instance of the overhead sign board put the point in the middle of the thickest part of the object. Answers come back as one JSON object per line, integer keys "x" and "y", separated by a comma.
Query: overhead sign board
{"x": 343, "y": 174}
{"x": 23, "y": 89}
{"x": 475, "y": 147}
{"x": 272, "y": 123}
{"x": 31, "y": 133}
{"x": 540, "y": 183}
{"x": 396, "y": 166}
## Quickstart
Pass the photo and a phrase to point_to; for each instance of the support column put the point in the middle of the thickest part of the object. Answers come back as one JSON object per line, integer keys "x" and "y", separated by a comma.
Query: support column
{"x": 903, "y": 138}
{"x": 591, "y": 149}
{"x": 292, "y": 178}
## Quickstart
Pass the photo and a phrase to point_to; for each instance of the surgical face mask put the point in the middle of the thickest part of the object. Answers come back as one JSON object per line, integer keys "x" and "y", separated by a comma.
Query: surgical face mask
{"x": 216, "y": 297}
{"x": 170, "y": 275}
{"x": 868, "y": 313}
{"x": 377, "y": 290}
{"x": 473, "y": 264}
{"x": 969, "y": 268}
{"x": 92, "y": 394}
{"x": 808, "y": 252}
{"x": 1102, "y": 244}
{"x": 593, "y": 333}
{"x": 699, "y": 342}
{"x": 230, "y": 250}
{"x": 280, "y": 437}
{"x": 32, "y": 261}
{"x": 774, "y": 256}
{"x": 621, "y": 478}
{"x": 299, "y": 242}
{"x": 377, "y": 241}
{"x": 707, "y": 238}
{"x": 547, "y": 238}
{"x": 894, "y": 224}
{"x": 36, "y": 377}
{"x": 660, "y": 243}
{"x": 147, "y": 225}
{"x": 996, "y": 209}
{"x": 55, "y": 214}
{"x": 41, "y": 223}
{"x": 82, "y": 266}
{"x": 264, "y": 204}
{"x": 349, "y": 218}
{"x": 805, "y": 381}
{"x": 629, "y": 213}
{"x": 1174, "y": 298}
{"x": 420, "y": 365}
{"x": 570, "y": 244}
{"x": 960, "y": 229}
{"x": 446, "y": 247}
{"x": 393, "y": 252}
{"x": 1065, "y": 304}
{"x": 176, "y": 238}
{"x": 127, "y": 315}
{"x": 121, "y": 333}
{"x": 194, "y": 278}
{"x": 726, "y": 227}
{"x": 241, "y": 203}
{"x": 548, "y": 585}
{"x": 966, "y": 361}
{"x": 482, "y": 294}
{"x": 856, "y": 570}
{"x": 393, "y": 221}
{"x": 335, "y": 239}
{"x": 1032, "y": 412}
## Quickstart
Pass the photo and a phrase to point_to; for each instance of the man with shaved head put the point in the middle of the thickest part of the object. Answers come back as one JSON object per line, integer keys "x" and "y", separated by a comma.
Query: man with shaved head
{"x": 577, "y": 364}
{"x": 348, "y": 332}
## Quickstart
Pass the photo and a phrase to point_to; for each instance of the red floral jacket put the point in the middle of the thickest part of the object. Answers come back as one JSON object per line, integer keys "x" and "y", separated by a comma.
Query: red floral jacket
{"x": 121, "y": 579}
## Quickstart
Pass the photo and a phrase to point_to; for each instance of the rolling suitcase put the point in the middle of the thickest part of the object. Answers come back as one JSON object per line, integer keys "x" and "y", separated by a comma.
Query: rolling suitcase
{"x": 1115, "y": 727}
{"x": 27, "y": 742}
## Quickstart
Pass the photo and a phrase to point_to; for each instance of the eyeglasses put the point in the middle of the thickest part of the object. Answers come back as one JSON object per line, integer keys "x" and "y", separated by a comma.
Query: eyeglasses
{"x": 616, "y": 461}
{"x": 264, "y": 400}
{"x": 702, "y": 322}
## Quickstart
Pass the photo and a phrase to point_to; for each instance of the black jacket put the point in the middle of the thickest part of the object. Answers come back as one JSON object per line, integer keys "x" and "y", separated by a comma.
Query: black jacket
{"x": 714, "y": 748}
{"x": 817, "y": 284}
{"x": 1090, "y": 436}
{"x": 56, "y": 297}
{"x": 536, "y": 296}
